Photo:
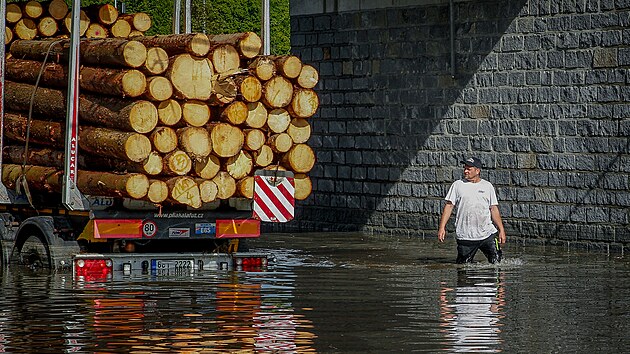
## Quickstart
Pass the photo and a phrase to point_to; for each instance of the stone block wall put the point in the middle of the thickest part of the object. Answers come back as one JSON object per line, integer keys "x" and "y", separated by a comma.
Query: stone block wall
{"x": 540, "y": 94}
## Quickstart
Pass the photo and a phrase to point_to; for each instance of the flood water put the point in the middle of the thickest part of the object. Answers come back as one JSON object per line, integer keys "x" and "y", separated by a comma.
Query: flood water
{"x": 342, "y": 293}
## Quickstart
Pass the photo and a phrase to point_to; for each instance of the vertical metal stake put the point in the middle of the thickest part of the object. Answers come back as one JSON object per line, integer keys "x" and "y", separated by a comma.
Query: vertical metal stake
{"x": 4, "y": 197}
{"x": 177, "y": 9}
{"x": 266, "y": 27}
{"x": 188, "y": 12}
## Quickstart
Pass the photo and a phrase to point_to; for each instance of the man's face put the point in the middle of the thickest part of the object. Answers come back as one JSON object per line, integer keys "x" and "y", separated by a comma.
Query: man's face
{"x": 471, "y": 173}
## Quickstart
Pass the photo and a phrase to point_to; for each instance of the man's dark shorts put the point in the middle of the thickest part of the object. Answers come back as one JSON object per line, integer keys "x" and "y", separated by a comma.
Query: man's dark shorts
{"x": 490, "y": 247}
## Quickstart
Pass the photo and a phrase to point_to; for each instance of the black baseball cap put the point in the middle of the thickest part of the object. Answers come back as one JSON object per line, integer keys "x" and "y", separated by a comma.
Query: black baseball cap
{"x": 473, "y": 162}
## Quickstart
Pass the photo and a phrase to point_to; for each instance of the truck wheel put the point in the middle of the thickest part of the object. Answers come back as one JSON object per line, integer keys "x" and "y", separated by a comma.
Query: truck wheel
{"x": 33, "y": 252}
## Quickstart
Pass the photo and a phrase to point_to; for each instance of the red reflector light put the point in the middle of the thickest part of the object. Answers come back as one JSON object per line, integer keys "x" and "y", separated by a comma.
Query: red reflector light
{"x": 250, "y": 263}
{"x": 93, "y": 269}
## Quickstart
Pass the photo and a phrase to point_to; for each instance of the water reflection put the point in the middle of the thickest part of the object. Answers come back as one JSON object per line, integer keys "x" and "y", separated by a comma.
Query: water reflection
{"x": 471, "y": 312}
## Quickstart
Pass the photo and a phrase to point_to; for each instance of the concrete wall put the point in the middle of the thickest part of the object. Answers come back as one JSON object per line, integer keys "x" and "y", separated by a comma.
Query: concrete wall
{"x": 540, "y": 94}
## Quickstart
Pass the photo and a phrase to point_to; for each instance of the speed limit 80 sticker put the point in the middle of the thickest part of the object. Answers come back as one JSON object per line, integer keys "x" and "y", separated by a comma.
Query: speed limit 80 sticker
{"x": 149, "y": 228}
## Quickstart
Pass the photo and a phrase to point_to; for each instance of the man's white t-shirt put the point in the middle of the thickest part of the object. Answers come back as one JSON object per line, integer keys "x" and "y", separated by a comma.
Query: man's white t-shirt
{"x": 473, "y": 201}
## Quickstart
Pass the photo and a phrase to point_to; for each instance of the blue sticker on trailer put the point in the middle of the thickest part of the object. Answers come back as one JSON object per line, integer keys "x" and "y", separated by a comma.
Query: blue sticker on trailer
{"x": 205, "y": 229}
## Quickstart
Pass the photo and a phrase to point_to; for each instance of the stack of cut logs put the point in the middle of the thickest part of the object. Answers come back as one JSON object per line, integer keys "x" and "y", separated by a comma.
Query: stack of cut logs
{"x": 169, "y": 119}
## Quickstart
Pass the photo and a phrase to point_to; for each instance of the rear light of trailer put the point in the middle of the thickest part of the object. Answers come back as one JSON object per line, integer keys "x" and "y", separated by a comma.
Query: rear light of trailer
{"x": 93, "y": 269}
{"x": 250, "y": 263}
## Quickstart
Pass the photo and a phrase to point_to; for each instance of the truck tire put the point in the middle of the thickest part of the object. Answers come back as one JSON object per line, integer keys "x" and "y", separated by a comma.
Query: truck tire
{"x": 32, "y": 251}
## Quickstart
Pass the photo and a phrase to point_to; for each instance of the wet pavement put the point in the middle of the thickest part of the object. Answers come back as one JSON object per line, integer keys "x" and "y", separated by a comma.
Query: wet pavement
{"x": 344, "y": 293}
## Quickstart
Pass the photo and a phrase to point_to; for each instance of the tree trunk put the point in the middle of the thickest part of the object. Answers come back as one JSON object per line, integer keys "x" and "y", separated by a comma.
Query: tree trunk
{"x": 152, "y": 165}
{"x": 249, "y": 87}
{"x": 191, "y": 77}
{"x": 240, "y": 165}
{"x": 300, "y": 158}
{"x": 140, "y": 21}
{"x": 288, "y": 66}
{"x": 132, "y": 185}
{"x": 158, "y": 89}
{"x": 304, "y": 103}
{"x": 41, "y": 133}
{"x": 47, "y": 27}
{"x": 225, "y": 184}
{"x": 308, "y": 78}
{"x": 105, "y": 51}
{"x": 256, "y": 115}
{"x": 208, "y": 190}
{"x": 116, "y": 82}
{"x": 264, "y": 156}
{"x": 263, "y": 67}
{"x": 106, "y": 142}
{"x": 158, "y": 191}
{"x": 254, "y": 139}
{"x": 195, "y": 113}
{"x": 169, "y": 112}
{"x": 225, "y": 58}
{"x": 84, "y": 22}
{"x": 164, "y": 139}
{"x": 278, "y": 92}
{"x": 184, "y": 190}
{"x": 58, "y": 9}
{"x": 156, "y": 62}
{"x": 235, "y": 113}
{"x": 96, "y": 30}
{"x": 224, "y": 90}
{"x": 227, "y": 140}
{"x": 299, "y": 130}
{"x": 278, "y": 120}
{"x": 14, "y": 13}
{"x": 303, "y": 186}
{"x": 36, "y": 156}
{"x": 193, "y": 43}
{"x": 176, "y": 163}
{"x": 25, "y": 29}
{"x": 195, "y": 141}
{"x": 245, "y": 187}
{"x": 33, "y": 9}
{"x": 208, "y": 167}
{"x": 120, "y": 29}
{"x": 46, "y": 179}
{"x": 247, "y": 44}
{"x": 106, "y": 14}
{"x": 280, "y": 143}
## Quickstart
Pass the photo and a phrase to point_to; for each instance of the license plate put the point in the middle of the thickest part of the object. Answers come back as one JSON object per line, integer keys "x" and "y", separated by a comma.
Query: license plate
{"x": 172, "y": 265}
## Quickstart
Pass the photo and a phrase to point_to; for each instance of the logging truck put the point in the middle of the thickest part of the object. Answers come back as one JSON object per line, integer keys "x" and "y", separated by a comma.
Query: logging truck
{"x": 157, "y": 154}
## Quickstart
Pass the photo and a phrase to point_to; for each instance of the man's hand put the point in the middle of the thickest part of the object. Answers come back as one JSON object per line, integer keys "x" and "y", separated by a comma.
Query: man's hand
{"x": 502, "y": 236}
{"x": 441, "y": 234}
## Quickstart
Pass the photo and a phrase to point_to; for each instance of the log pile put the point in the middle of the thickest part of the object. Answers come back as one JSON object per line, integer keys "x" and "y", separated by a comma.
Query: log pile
{"x": 169, "y": 119}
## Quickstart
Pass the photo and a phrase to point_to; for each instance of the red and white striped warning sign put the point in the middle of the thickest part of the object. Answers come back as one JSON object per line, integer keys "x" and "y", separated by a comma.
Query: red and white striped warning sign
{"x": 273, "y": 198}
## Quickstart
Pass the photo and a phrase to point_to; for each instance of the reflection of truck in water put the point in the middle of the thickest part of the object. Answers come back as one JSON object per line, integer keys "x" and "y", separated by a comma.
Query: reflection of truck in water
{"x": 96, "y": 235}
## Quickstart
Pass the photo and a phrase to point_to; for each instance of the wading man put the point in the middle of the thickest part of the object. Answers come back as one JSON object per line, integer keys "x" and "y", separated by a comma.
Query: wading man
{"x": 478, "y": 224}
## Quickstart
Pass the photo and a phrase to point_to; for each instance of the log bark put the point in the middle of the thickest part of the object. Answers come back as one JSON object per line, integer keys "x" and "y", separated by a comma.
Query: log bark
{"x": 156, "y": 62}
{"x": 14, "y": 154}
{"x": 256, "y": 115}
{"x": 164, "y": 139}
{"x": 304, "y": 103}
{"x": 120, "y": 29}
{"x": 288, "y": 66}
{"x": 176, "y": 163}
{"x": 300, "y": 158}
{"x": 33, "y": 9}
{"x": 191, "y": 77}
{"x": 47, "y": 27}
{"x": 254, "y": 139}
{"x": 158, "y": 191}
{"x": 249, "y": 87}
{"x": 299, "y": 130}
{"x": 132, "y": 185}
{"x": 58, "y": 9}
{"x": 152, "y": 165}
{"x": 46, "y": 179}
{"x": 169, "y": 112}
{"x": 280, "y": 143}
{"x": 14, "y": 13}
{"x": 248, "y": 44}
{"x": 139, "y": 21}
{"x": 41, "y": 133}
{"x": 195, "y": 113}
{"x": 195, "y": 141}
{"x": 263, "y": 67}
{"x": 158, "y": 89}
{"x": 278, "y": 120}
{"x": 225, "y": 184}
{"x": 263, "y": 157}
{"x": 240, "y": 165}
{"x": 227, "y": 140}
{"x": 116, "y": 82}
{"x": 235, "y": 113}
{"x": 208, "y": 190}
{"x": 96, "y": 30}
{"x": 192, "y": 43}
{"x": 303, "y": 186}
{"x": 84, "y": 22}
{"x": 308, "y": 78}
{"x": 224, "y": 90}
{"x": 225, "y": 58}
{"x": 106, "y": 51}
{"x": 184, "y": 190}
{"x": 245, "y": 187}
{"x": 25, "y": 29}
{"x": 208, "y": 167}
{"x": 106, "y": 142}
{"x": 106, "y": 14}
{"x": 277, "y": 92}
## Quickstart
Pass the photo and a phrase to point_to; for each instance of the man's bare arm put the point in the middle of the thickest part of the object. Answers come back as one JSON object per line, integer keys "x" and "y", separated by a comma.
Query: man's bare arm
{"x": 446, "y": 214}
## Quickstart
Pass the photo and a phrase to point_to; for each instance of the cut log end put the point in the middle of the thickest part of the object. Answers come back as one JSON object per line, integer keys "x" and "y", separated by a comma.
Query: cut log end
{"x": 299, "y": 130}
{"x": 207, "y": 168}
{"x": 195, "y": 113}
{"x": 158, "y": 191}
{"x": 195, "y": 141}
{"x": 225, "y": 59}
{"x": 251, "y": 89}
{"x": 58, "y": 9}
{"x": 184, "y": 190}
{"x": 120, "y": 29}
{"x": 208, "y": 190}
{"x": 107, "y": 14}
{"x": 226, "y": 185}
{"x": 143, "y": 117}
{"x": 304, "y": 103}
{"x": 134, "y": 54}
{"x": 240, "y": 165}
{"x": 169, "y": 112}
{"x": 164, "y": 139}
{"x": 157, "y": 61}
{"x": 250, "y": 45}
{"x": 158, "y": 89}
{"x": 191, "y": 77}
{"x": 153, "y": 164}
{"x": 134, "y": 83}
{"x": 300, "y": 158}
{"x": 278, "y": 92}
{"x": 290, "y": 66}
{"x": 177, "y": 163}
{"x": 309, "y": 77}
{"x": 303, "y": 186}
{"x": 137, "y": 147}
{"x": 227, "y": 140}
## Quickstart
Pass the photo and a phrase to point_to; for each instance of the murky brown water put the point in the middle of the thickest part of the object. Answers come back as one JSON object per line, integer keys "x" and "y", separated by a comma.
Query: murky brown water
{"x": 334, "y": 293}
